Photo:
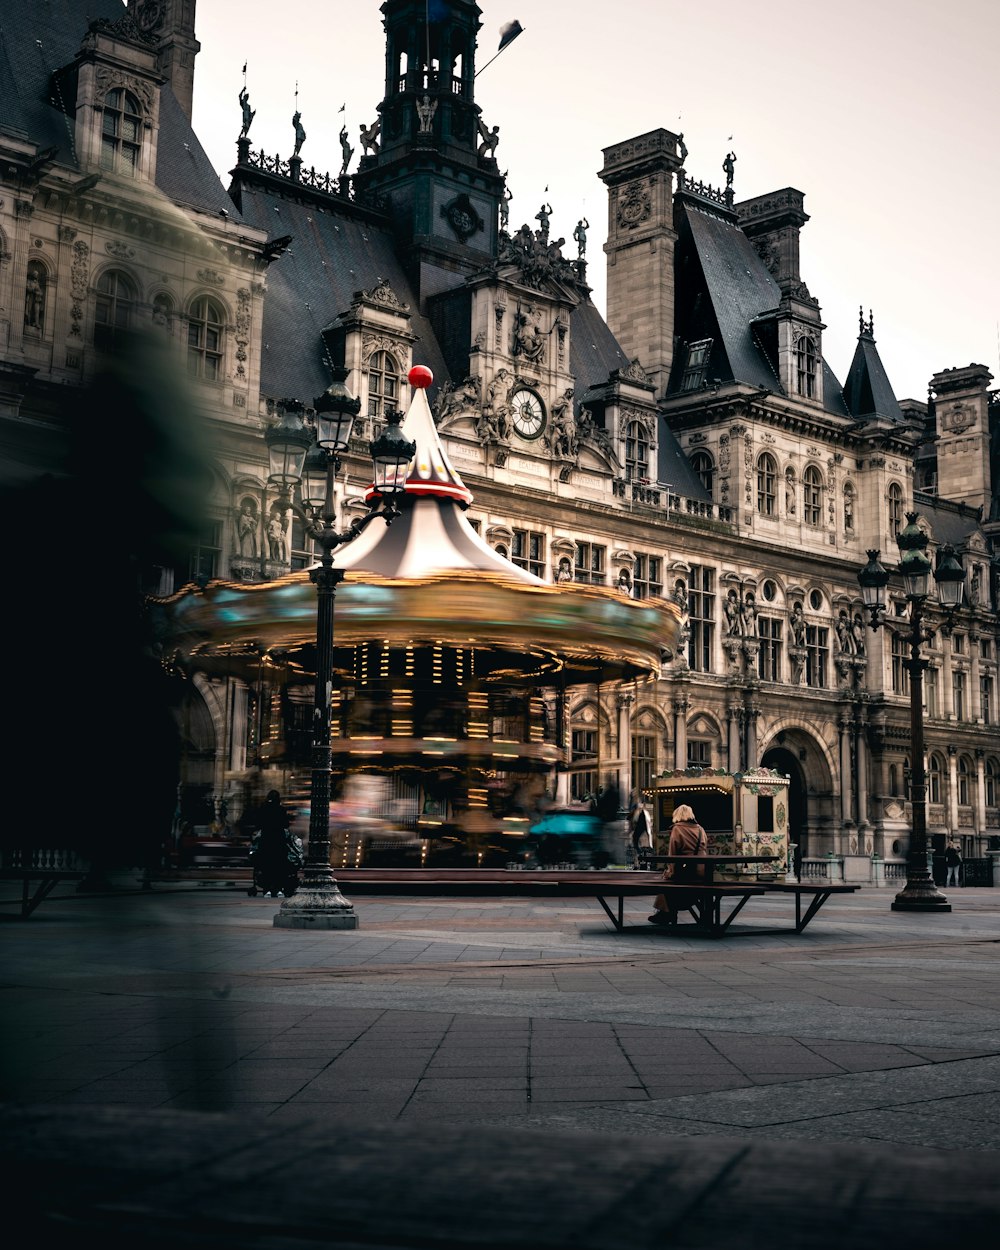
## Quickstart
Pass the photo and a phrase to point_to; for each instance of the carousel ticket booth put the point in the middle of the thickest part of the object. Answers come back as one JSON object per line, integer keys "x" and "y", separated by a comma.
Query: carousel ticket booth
{"x": 742, "y": 814}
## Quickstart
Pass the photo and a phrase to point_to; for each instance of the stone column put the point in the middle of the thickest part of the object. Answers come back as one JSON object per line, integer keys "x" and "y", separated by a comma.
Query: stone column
{"x": 680, "y": 732}
{"x": 844, "y": 744}
{"x": 952, "y": 788}
{"x": 979, "y": 815}
{"x": 946, "y": 693}
{"x": 625, "y": 703}
{"x": 733, "y": 740}
{"x": 975, "y": 694}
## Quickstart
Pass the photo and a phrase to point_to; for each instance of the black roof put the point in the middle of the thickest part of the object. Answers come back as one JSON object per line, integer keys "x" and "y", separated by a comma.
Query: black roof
{"x": 867, "y": 391}
{"x": 726, "y": 293}
{"x": 38, "y": 39}
{"x": 334, "y": 253}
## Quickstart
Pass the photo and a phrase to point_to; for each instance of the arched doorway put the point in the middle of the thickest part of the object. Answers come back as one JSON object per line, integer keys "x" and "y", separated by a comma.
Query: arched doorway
{"x": 786, "y": 762}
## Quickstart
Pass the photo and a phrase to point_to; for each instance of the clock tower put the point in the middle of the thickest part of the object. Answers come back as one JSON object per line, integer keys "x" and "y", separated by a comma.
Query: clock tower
{"x": 429, "y": 156}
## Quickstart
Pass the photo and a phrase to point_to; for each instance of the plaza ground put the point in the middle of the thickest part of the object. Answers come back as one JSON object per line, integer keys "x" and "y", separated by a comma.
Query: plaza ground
{"x": 174, "y": 1042}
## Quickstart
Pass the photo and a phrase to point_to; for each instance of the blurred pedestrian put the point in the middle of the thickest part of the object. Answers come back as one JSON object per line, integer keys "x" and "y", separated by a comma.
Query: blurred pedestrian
{"x": 640, "y": 827}
{"x": 953, "y": 860}
{"x": 270, "y": 853}
{"x": 687, "y": 837}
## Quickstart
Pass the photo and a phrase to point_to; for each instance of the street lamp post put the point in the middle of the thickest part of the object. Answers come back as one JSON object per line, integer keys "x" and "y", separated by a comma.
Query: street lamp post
{"x": 920, "y": 892}
{"x": 307, "y": 460}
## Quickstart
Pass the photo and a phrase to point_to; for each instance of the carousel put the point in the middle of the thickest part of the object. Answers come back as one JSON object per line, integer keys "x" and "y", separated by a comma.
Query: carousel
{"x": 449, "y": 674}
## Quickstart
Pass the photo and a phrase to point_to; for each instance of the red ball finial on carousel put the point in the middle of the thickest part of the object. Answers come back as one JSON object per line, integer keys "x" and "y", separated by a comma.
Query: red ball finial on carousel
{"x": 420, "y": 377}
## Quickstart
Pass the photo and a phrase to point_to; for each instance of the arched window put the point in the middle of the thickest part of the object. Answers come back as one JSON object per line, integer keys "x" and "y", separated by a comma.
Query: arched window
{"x": 636, "y": 452}
{"x": 114, "y": 310}
{"x": 205, "y": 339}
{"x": 965, "y": 774}
{"x": 121, "y": 133}
{"x": 992, "y": 775}
{"x": 767, "y": 475}
{"x": 935, "y": 770}
{"x": 812, "y": 496}
{"x": 704, "y": 466}
{"x": 383, "y": 384}
{"x": 895, "y": 507}
{"x": 805, "y": 367}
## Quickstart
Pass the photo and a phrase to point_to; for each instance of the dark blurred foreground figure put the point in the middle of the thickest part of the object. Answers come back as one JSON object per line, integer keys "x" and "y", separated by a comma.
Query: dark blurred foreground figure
{"x": 275, "y": 853}
{"x": 687, "y": 837}
{"x": 89, "y": 533}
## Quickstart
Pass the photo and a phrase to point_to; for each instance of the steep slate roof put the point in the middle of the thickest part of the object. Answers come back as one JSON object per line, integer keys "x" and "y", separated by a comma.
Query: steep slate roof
{"x": 674, "y": 468}
{"x": 736, "y": 291}
{"x": 332, "y": 255}
{"x": 948, "y": 523}
{"x": 739, "y": 289}
{"x": 594, "y": 351}
{"x": 38, "y": 39}
{"x": 868, "y": 392}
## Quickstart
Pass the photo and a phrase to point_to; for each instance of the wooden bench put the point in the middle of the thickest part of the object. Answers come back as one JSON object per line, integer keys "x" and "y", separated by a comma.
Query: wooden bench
{"x": 817, "y": 891}
{"x": 45, "y": 868}
{"x": 702, "y": 899}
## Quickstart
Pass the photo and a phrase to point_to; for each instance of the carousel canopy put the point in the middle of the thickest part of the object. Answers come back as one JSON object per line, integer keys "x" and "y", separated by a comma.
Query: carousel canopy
{"x": 428, "y": 578}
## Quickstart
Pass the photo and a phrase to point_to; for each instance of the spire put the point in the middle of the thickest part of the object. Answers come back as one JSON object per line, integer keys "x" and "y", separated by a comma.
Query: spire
{"x": 868, "y": 392}
{"x": 431, "y": 472}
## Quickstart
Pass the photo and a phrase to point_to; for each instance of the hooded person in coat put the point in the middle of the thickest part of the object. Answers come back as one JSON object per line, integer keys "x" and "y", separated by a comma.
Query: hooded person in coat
{"x": 687, "y": 837}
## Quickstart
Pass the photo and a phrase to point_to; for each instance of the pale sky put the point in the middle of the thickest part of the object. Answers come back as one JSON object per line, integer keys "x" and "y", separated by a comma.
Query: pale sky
{"x": 883, "y": 112}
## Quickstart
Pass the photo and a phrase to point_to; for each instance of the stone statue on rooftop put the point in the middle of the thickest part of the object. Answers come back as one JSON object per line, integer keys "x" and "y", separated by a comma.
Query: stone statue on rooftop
{"x": 490, "y": 139}
{"x": 369, "y": 137}
{"x": 729, "y": 165}
{"x": 248, "y": 113}
{"x": 345, "y": 147}
{"x": 300, "y": 134}
{"x": 580, "y": 237}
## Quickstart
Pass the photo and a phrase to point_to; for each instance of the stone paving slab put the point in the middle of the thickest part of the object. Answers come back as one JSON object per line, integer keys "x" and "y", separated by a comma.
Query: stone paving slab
{"x": 876, "y": 1028}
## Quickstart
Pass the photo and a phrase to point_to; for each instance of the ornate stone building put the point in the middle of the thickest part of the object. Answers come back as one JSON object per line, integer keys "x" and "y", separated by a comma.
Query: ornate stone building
{"x": 694, "y": 444}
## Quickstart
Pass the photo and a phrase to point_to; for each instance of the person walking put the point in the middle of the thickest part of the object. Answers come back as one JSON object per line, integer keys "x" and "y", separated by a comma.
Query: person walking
{"x": 270, "y": 853}
{"x": 953, "y": 862}
{"x": 687, "y": 837}
{"x": 640, "y": 830}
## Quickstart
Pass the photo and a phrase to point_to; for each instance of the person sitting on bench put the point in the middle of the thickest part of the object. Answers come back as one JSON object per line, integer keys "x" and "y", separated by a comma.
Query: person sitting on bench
{"x": 687, "y": 837}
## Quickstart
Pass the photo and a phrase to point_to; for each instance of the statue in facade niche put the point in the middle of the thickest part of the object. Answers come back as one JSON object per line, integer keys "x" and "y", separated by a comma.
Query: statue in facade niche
{"x": 562, "y": 439}
{"x": 797, "y": 626}
{"x": 247, "y": 527}
{"x": 426, "y": 108}
{"x": 845, "y": 636}
{"x": 34, "y": 300}
{"x": 529, "y": 338}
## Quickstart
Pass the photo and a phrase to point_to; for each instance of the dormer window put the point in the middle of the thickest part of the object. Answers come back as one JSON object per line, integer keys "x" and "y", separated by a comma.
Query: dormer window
{"x": 121, "y": 133}
{"x": 383, "y": 384}
{"x": 636, "y": 452}
{"x": 696, "y": 364}
{"x": 805, "y": 367}
{"x": 704, "y": 466}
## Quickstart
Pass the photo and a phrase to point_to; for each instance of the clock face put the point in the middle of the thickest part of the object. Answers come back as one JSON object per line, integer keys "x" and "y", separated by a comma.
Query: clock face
{"x": 527, "y": 413}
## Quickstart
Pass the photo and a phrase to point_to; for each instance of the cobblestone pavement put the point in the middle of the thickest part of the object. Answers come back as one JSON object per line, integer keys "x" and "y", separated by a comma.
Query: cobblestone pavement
{"x": 872, "y": 1027}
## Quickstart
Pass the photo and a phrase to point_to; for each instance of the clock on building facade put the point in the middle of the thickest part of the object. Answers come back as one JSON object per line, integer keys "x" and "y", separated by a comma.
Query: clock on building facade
{"x": 527, "y": 413}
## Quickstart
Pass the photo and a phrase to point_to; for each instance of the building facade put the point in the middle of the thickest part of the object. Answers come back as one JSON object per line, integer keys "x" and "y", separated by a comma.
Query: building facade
{"x": 694, "y": 444}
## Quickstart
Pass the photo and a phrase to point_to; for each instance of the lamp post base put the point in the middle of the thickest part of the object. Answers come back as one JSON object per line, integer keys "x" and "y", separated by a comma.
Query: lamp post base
{"x": 322, "y": 908}
{"x": 920, "y": 896}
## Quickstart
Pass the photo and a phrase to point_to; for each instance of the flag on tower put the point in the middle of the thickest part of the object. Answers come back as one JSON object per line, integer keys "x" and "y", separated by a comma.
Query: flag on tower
{"x": 509, "y": 31}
